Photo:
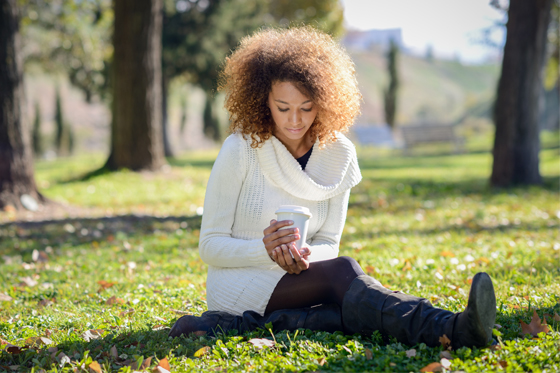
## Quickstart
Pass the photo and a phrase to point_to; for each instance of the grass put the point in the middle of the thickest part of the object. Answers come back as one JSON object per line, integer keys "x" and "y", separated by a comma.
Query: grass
{"x": 424, "y": 224}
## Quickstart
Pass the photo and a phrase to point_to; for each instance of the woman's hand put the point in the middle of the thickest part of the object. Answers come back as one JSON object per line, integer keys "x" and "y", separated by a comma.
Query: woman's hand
{"x": 293, "y": 265}
{"x": 279, "y": 242}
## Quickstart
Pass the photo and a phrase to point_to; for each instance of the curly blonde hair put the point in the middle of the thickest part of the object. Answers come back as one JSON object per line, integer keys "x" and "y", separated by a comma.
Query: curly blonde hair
{"x": 304, "y": 56}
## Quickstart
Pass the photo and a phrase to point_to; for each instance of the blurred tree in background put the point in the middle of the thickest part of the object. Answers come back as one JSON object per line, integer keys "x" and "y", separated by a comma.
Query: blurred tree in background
{"x": 136, "y": 136}
{"x": 36, "y": 136}
{"x": 517, "y": 144}
{"x": 390, "y": 93}
{"x": 17, "y": 183}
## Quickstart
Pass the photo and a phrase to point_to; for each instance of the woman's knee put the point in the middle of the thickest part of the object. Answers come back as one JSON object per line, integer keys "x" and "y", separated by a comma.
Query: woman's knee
{"x": 348, "y": 265}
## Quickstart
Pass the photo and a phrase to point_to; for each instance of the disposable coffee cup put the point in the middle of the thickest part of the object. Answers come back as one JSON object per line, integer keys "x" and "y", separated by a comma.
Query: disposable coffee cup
{"x": 300, "y": 216}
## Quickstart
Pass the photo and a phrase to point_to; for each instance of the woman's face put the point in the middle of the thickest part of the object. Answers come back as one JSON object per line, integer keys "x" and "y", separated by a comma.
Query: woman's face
{"x": 292, "y": 111}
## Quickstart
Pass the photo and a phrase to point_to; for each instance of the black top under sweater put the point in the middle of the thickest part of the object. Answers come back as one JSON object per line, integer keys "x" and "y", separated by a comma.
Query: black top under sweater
{"x": 304, "y": 158}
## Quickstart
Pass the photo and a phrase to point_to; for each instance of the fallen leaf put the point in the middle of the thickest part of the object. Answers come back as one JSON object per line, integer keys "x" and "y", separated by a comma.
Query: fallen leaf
{"x": 411, "y": 353}
{"x": 15, "y": 350}
{"x": 495, "y": 347}
{"x": 392, "y": 364}
{"x": 39, "y": 256}
{"x": 447, "y": 254}
{"x": 37, "y": 341}
{"x": 534, "y": 327}
{"x": 46, "y": 302}
{"x": 432, "y": 367}
{"x": 5, "y": 298}
{"x": 201, "y": 352}
{"x": 158, "y": 327}
{"x": 556, "y": 317}
{"x": 126, "y": 313}
{"x": 445, "y": 342}
{"x": 113, "y": 352}
{"x": 445, "y": 354}
{"x": 179, "y": 312}
{"x": 14, "y": 367}
{"x": 503, "y": 363}
{"x": 94, "y": 367}
{"x": 91, "y": 334}
{"x": 105, "y": 285}
{"x": 27, "y": 281}
{"x": 321, "y": 361}
{"x": 445, "y": 363}
{"x": 146, "y": 363}
{"x": 164, "y": 365}
{"x": 3, "y": 342}
{"x": 261, "y": 342}
{"x": 369, "y": 354}
{"x": 114, "y": 300}
{"x": 407, "y": 266}
{"x": 347, "y": 350}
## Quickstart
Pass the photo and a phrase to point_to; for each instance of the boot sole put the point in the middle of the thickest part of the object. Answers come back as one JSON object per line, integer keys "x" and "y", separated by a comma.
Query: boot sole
{"x": 482, "y": 300}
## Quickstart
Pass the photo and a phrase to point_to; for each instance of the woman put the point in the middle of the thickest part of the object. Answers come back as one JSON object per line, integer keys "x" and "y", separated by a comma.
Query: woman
{"x": 291, "y": 94}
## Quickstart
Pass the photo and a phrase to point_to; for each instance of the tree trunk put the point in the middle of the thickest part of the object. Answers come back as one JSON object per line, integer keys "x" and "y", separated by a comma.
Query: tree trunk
{"x": 16, "y": 160}
{"x": 516, "y": 143}
{"x": 164, "y": 122}
{"x": 136, "y": 135}
{"x": 211, "y": 125}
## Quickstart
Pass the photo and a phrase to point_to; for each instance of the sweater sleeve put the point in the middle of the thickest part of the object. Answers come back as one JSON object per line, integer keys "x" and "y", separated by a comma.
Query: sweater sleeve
{"x": 324, "y": 244}
{"x": 217, "y": 247}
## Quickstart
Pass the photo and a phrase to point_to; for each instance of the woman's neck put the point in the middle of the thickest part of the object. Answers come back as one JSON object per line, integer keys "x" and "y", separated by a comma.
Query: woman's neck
{"x": 299, "y": 147}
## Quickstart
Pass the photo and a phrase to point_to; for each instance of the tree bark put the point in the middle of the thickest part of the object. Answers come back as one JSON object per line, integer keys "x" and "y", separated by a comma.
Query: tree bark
{"x": 16, "y": 159}
{"x": 516, "y": 143}
{"x": 136, "y": 135}
{"x": 165, "y": 119}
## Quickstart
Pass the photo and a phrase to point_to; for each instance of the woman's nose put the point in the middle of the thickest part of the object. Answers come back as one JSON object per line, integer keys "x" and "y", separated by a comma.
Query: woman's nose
{"x": 295, "y": 117}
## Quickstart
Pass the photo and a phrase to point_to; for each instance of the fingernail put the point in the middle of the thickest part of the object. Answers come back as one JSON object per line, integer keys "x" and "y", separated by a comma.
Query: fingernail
{"x": 291, "y": 221}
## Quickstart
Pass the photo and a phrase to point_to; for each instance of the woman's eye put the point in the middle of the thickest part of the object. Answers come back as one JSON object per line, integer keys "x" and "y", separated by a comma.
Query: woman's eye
{"x": 282, "y": 110}
{"x": 307, "y": 110}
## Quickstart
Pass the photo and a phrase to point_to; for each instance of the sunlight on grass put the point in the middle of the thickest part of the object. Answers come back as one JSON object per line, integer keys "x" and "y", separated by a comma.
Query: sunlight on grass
{"x": 423, "y": 224}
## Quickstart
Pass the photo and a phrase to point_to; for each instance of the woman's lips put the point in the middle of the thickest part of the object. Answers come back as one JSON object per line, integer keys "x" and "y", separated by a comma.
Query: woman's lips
{"x": 295, "y": 130}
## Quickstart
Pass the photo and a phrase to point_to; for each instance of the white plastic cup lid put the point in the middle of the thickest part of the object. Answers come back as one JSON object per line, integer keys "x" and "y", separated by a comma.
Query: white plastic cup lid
{"x": 294, "y": 209}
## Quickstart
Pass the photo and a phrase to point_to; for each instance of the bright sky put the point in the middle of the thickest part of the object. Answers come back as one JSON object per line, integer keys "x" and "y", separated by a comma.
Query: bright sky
{"x": 449, "y": 26}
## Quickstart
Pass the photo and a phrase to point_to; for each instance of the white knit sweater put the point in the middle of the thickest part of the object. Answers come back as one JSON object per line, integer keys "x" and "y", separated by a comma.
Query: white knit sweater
{"x": 245, "y": 188}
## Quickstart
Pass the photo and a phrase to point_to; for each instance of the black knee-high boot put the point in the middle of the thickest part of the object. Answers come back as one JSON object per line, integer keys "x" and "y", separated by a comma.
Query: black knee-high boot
{"x": 324, "y": 317}
{"x": 368, "y": 306}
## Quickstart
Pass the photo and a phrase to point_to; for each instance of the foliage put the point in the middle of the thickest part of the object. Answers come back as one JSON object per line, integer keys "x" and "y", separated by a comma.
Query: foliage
{"x": 104, "y": 289}
{"x": 70, "y": 36}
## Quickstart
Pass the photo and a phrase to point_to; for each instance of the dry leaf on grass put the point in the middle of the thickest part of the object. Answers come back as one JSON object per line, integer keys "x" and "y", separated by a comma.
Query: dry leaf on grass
{"x": 91, "y": 334}
{"x": 94, "y": 367}
{"x": 445, "y": 354}
{"x": 369, "y": 354}
{"x": 27, "y": 281}
{"x": 16, "y": 350}
{"x": 261, "y": 342}
{"x": 163, "y": 366}
{"x": 534, "y": 327}
{"x": 146, "y": 363}
{"x": 37, "y": 341}
{"x": 114, "y": 300}
{"x": 556, "y": 317}
{"x": 113, "y": 352}
{"x": 432, "y": 367}
{"x": 179, "y": 312}
{"x": 105, "y": 285}
{"x": 445, "y": 342}
{"x": 126, "y": 313}
{"x": 411, "y": 353}
{"x": 321, "y": 361}
{"x": 201, "y": 352}
{"x": 5, "y": 298}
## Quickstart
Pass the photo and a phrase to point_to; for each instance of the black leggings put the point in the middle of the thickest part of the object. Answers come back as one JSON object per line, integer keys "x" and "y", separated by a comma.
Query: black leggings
{"x": 324, "y": 282}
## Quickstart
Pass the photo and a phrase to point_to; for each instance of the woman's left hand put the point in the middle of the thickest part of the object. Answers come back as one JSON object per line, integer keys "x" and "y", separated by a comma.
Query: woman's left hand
{"x": 281, "y": 255}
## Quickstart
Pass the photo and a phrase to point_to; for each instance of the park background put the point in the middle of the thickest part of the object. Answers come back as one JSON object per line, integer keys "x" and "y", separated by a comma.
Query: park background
{"x": 98, "y": 271}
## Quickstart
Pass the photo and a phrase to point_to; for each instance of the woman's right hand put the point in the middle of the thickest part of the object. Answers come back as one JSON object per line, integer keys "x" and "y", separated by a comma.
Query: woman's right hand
{"x": 278, "y": 243}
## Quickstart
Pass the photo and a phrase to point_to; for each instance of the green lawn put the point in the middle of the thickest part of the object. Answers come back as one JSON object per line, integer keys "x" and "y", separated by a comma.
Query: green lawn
{"x": 424, "y": 224}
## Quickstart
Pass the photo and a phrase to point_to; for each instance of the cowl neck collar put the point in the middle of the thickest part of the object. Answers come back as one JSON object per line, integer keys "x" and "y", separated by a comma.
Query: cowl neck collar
{"x": 330, "y": 171}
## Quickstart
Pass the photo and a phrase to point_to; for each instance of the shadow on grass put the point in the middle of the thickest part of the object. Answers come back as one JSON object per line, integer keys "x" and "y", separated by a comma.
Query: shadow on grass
{"x": 119, "y": 348}
{"x": 78, "y": 231}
